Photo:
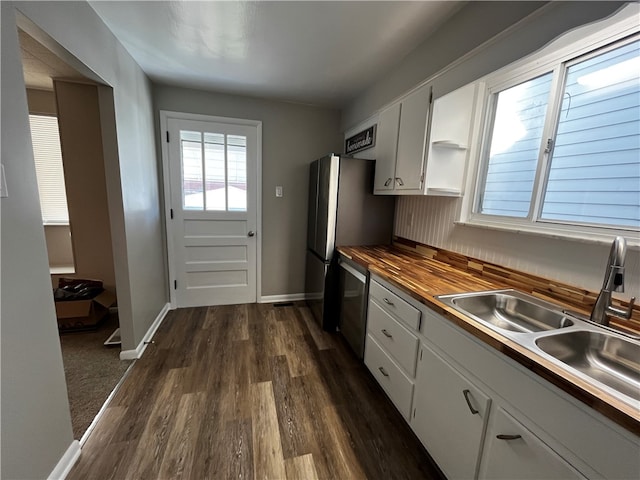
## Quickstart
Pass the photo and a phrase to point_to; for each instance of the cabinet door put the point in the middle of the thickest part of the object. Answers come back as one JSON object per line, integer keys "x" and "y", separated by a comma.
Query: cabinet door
{"x": 411, "y": 140}
{"x": 512, "y": 452}
{"x": 449, "y": 416}
{"x": 386, "y": 148}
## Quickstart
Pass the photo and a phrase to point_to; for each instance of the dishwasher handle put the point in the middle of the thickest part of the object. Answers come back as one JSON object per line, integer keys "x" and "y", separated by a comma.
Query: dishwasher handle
{"x": 360, "y": 276}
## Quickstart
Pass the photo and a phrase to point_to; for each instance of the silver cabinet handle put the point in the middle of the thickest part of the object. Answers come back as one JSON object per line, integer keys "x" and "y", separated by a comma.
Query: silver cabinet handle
{"x": 508, "y": 437}
{"x": 388, "y": 182}
{"x": 386, "y": 334}
{"x": 467, "y": 393}
{"x": 251, "y": 233}
{"x": 383, "y": 371}
{"x": 387, "y": 301}
{"x": 399, "y": 181}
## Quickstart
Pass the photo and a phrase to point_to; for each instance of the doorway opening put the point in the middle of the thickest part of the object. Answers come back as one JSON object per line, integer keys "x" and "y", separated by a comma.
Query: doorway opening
{"x": 66, "y": 126}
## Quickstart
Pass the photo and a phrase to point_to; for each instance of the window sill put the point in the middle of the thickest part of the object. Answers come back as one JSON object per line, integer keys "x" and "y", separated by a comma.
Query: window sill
{"x": 62, "y": 270}
{"x": 633, "y": 238}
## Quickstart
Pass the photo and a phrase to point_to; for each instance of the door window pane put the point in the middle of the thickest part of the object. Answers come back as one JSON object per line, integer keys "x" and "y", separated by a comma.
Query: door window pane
{"x": 515, "y": 146}
{"x": 192, "y": 178}
{"x": 237, "y": 172}
{"x": 215, "y": 171}
{"x": 594, "y": 175}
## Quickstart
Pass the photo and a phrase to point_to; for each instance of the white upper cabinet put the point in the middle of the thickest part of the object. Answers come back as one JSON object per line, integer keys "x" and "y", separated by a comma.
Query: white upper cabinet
{"x": 414, "y": 119}
{"x": 448, "y": 147}
{"x": 400, "y": 145}
{"x": 386, "y": 146}
{"x": 423, "y": 146}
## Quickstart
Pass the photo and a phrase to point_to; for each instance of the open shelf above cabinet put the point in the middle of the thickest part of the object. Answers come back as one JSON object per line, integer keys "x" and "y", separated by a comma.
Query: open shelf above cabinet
{"x": 444, "y": 192}
{"x": 448, "y": 144}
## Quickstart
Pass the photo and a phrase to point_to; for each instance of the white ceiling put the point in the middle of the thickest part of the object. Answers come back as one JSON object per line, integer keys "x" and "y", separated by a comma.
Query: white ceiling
{"x": 311, "y": 52}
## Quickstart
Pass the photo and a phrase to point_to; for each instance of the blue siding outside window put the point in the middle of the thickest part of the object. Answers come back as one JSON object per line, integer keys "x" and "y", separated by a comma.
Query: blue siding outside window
{"x": 594, "y": 175}
{"x": 515, "y": 146}
{"x": 592, "y": 119}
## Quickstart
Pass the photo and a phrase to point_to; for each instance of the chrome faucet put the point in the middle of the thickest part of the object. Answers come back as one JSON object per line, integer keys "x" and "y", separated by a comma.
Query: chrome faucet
{"x": 613, "y": 281}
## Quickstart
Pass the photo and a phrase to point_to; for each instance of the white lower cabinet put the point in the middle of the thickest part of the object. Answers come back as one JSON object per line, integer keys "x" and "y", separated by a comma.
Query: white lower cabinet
{"x": 449, "y": 415}
{"x": 478, "y": 413}
{"x": 512, "y": 452}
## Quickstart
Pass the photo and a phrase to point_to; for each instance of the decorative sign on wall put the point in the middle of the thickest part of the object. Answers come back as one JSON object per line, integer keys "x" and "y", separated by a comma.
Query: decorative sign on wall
{"x": 361, "y": 141}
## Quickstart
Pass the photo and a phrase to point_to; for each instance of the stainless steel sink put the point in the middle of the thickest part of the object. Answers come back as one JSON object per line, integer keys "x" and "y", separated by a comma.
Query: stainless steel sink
{"x": 600, "y": 356}
{"x": 509, "y": 310}
{"x": 606, "y": 358}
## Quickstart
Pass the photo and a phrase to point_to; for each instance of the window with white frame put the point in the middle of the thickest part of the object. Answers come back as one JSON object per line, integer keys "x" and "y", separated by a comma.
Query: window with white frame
{"x": 561, "y": 146}
{"x": 49, "y": 172}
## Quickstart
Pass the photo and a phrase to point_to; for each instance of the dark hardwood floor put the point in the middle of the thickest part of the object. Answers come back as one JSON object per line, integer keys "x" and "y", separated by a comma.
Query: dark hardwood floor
{"x": 250, "y": 391}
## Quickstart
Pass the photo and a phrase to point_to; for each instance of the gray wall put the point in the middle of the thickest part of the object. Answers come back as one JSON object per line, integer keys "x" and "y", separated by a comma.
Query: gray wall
{"x": 36, "y": 428}
{"x": 292, "y": 137}
{"x": 476, "y": 23}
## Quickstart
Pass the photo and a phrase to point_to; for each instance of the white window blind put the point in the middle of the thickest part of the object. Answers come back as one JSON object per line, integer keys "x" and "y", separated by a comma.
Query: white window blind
{"x": 49, "y": 171}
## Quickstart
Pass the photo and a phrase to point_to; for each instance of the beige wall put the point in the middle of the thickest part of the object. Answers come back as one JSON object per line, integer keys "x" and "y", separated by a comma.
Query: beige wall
{"x": 59, "y": 248}
{"x": 41, "y": 102}
{"x": 85, "y": 181}
{"x": 292, "y": 137}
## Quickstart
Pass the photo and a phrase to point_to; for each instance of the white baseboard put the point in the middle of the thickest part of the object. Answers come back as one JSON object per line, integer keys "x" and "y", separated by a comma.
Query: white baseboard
{"x": 67, "y": 462}
{"x": 139, "y": 350}
{"x": 292, "y": 297}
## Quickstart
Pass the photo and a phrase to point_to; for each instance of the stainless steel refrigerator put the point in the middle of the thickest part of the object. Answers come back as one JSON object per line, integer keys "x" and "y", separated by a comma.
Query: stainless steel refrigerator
{"x": 342, "y": 211}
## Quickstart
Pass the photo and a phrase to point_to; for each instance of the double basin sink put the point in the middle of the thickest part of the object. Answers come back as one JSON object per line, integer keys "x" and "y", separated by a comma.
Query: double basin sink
{"x": 592, "y": 352}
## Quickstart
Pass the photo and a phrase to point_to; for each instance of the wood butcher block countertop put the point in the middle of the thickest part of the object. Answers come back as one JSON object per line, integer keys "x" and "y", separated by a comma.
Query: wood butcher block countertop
{"x": 423, "y": 278}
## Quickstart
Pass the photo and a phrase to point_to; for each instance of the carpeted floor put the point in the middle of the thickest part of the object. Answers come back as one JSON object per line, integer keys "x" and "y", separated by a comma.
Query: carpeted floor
{"x": 92, "y": 371}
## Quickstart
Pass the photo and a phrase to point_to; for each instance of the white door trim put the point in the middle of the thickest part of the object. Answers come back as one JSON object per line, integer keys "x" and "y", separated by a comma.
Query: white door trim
{"x": 165, "y": 115}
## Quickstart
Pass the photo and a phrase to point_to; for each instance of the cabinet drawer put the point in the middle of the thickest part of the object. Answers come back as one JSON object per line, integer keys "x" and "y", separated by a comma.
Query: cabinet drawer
{"x": 396, "y": 340}
{"x": 389, "y": 375}
{"x": 392, "y": 303}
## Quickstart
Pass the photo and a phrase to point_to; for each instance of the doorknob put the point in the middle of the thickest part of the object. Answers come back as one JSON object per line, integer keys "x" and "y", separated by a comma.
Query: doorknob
{"x": 251, "y": 233}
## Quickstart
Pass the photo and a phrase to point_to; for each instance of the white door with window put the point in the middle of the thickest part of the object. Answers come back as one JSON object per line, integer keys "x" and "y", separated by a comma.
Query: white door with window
{"x": 213, "y": 205}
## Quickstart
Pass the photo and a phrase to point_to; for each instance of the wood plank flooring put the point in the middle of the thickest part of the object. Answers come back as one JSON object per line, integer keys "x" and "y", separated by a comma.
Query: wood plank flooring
{"x": 250, "y": 391}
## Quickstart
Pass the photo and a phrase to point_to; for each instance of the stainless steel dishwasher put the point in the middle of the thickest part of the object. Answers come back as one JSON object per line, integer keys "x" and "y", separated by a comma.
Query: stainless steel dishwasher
{"x": 354, "y": 290}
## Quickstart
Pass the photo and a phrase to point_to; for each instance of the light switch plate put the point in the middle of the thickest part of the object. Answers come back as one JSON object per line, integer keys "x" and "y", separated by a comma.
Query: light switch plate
{"x": 279, "y": 191}
{"x": 4, "y": 193}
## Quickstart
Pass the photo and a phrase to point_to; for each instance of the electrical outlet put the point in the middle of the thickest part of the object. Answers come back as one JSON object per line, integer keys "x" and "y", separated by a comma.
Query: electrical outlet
{"x": 279, "y": 191}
